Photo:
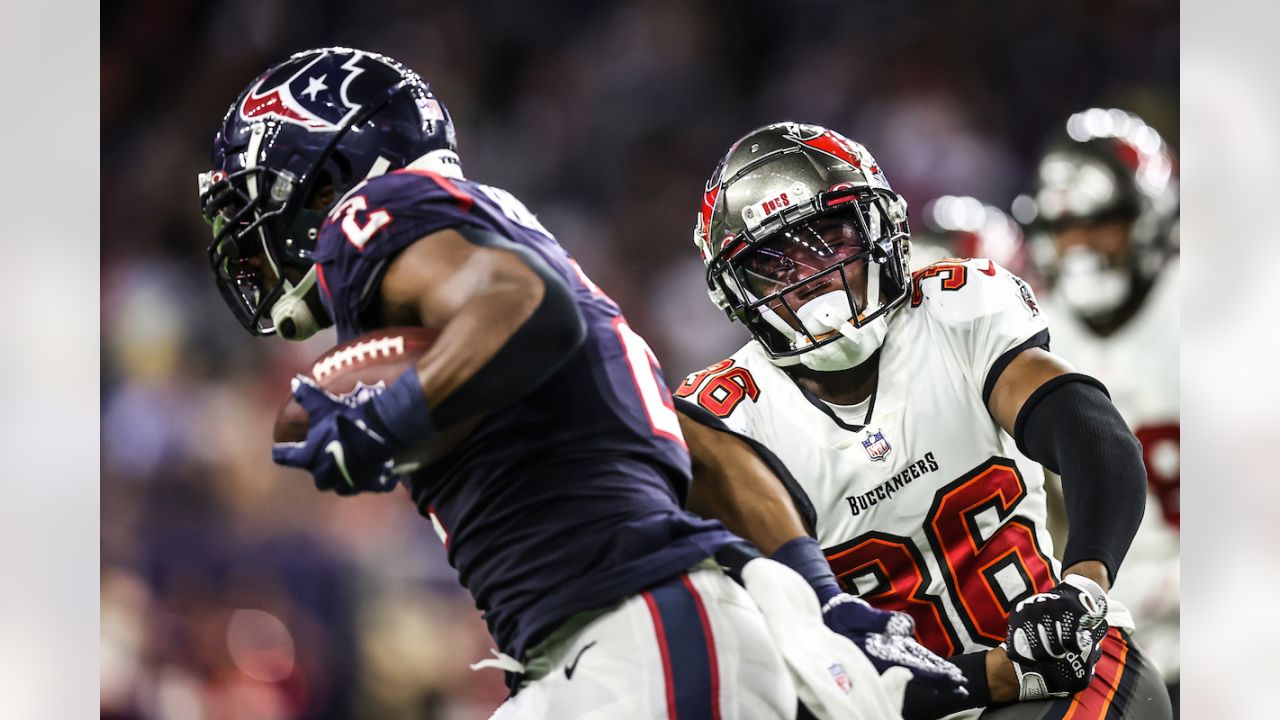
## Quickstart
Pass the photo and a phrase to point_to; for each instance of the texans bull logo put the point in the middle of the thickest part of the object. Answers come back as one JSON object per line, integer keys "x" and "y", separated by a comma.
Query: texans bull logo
{"x": 315, "y": 96}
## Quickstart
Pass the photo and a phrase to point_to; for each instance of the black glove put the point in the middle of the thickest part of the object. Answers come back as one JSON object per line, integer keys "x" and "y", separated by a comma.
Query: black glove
{"x": 1055, "y": 638}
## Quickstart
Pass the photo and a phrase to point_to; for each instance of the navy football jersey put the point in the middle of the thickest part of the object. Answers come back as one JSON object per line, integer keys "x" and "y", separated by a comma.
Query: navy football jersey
{"x": 568, "y": 499}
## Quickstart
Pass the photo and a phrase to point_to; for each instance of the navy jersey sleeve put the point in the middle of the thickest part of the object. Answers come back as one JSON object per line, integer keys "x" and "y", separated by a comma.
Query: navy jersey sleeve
{"x": 374, "y": 222}
{"x": 591, "y": 457}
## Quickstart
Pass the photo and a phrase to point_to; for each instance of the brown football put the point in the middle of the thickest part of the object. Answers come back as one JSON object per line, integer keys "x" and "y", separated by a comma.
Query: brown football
{"x": 370, "y": 363}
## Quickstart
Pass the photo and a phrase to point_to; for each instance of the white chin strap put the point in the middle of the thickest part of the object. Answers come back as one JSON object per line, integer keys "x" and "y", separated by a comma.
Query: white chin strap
{"x": 856, "y": 345}
{"x": 1088, "y": 286}
{"x": 291, "y": 316}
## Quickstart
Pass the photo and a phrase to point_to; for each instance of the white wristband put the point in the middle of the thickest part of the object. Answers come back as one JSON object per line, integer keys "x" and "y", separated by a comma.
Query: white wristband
{"x": 1093, "y": 596}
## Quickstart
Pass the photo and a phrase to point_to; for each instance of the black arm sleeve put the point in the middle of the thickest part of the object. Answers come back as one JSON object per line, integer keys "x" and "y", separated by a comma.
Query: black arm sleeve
{"x": 1070, "y": 426}
{"x": 532, "y": 354}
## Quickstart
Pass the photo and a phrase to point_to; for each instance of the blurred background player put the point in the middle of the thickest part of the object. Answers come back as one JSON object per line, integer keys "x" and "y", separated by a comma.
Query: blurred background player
{"x": 1103, "y": 222}
{"x": 965, "y": 227}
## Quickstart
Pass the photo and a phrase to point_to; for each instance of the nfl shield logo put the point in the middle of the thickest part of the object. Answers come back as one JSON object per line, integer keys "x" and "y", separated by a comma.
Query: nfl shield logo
{"x": 877, "y": 447}
{"x": 841, "y": 677}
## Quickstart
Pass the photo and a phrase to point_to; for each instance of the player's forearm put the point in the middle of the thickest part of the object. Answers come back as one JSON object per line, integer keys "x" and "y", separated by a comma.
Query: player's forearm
{"x": 765, "y": 521}
{"x": 990, "y": 679}
{"x": 1002, "y": 680}
{"x": 733, "y": 485}
{"x": 473, "y": 337}
{"x": 501, "y": 345}
{"x": 454, "y": 380}
{"x": 507, "y": 321}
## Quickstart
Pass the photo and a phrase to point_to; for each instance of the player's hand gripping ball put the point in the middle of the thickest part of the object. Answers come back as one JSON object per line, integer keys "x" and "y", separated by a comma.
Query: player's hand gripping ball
{"x": 324, "y": 427}
{"x": 341, "y": 450}
{"x": 1054, "y": 638}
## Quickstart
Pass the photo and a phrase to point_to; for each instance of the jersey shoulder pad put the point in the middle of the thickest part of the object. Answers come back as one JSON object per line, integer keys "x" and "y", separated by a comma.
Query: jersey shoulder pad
{"x": 960, "y": 291}
{"x": 727, "y": 389}
{"x": 381, "y": 215}
{"x": 371, "y": 224}
{"x": 985, "y": 314}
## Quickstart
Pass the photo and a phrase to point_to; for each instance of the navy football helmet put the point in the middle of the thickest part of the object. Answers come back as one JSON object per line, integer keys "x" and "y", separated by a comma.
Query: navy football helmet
{"x": 298, "y": 138}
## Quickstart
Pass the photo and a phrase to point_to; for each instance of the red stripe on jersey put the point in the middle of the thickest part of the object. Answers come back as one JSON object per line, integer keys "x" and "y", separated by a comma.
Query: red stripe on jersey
{"x": 443, "y": 530}
{"x": 323, "y": 285}
{"x": 465, "y": 201}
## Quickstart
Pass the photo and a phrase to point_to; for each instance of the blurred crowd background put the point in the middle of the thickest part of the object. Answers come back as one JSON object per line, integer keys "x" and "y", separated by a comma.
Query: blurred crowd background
{"x": 232, "y": 589}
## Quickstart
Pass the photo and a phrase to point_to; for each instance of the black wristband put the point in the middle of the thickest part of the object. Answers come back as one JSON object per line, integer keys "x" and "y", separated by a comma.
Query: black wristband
{"x": 532, "y": 354}
{"x": 803, "y": 555}
{"x": 400, "y": 413}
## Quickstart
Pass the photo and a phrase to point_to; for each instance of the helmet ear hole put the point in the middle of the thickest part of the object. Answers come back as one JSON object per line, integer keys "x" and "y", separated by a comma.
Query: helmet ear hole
{"x": 343, "y": 167}
{"x": 323, "y": 193}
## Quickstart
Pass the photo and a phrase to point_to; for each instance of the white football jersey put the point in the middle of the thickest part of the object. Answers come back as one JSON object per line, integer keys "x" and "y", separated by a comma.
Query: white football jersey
{"x": 923, "y": 503}
{"x": 1139, "y": 365}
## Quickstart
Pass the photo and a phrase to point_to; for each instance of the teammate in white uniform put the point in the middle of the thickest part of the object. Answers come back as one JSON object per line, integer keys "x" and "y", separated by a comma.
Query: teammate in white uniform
{"x": 1105, "y": 217}
{"x": 966, "y": 227}
{"x": 894, "y": 399}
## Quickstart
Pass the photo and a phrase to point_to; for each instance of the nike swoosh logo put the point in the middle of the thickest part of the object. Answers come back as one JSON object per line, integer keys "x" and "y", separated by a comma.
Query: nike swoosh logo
{"x": 990, "y": 269}
{"x": 568, "y": 669}
{"x": 334, "y": 448}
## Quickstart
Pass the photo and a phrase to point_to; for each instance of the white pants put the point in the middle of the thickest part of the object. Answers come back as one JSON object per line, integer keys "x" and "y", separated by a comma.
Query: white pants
{"x": 700, "y": 647}
{"x": 693, "y": 648}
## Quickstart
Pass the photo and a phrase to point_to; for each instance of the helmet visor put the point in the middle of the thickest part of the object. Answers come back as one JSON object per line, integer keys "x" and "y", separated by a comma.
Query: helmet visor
{"x": 807, "y": 261}
{"x": 799, "y": 254}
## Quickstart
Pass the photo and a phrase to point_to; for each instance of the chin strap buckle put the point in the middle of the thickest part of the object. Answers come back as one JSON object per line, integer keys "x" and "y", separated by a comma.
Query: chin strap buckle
{"x": 291, "y": 315}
